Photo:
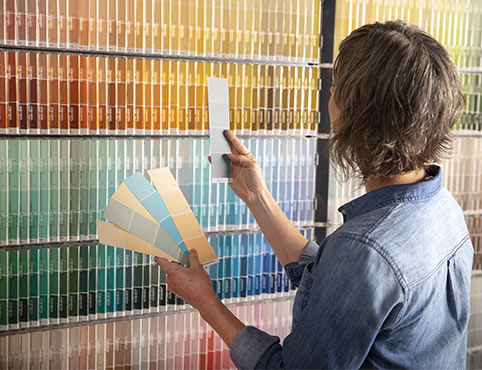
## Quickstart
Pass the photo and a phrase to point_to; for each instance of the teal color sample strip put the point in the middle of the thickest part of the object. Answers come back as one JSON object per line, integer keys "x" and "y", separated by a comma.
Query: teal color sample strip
{"x": 54, "y": 285}
{"x": 64, "y": 205}
{"x": 93, "y": 189}
{"x": 34, "y": 287}
{"x": 13, "y": 191}
{"x": 128, "y": 279}
{"x": 84, "y": 190}
{"x": 64, "y": 284}
{"x": 92, "y": 281}
{"x": 101, "y": 280}
{"x": 137, "y": 301}
{"x": 146, "y": 271}
{"x": 144, "y": 228}
{"x": 13, "y": 289}
{"x": 3, "y": 192}
{"x": 84, "y": 282}
{"x": 154, "y": 204}
{"x": 74, "y": 213}
{"x": 54, "y": 208}
{"x": 44, "y": 191}
{"x": 44, "y": 286}
{"x": 73, "y": 302}
{"x": 111, "y": 281}
{"x": 120, "y": 281}
{"x": 24, "y": 214}
{"x": 34, "y": 182}
{"x": 4, "y": 282}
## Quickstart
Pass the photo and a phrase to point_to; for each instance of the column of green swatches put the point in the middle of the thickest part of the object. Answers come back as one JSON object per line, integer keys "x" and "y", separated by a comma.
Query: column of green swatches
{"x": 101, "y": 281}
{"x": 54, "y": 287}
{"x": 93, "y": 189}
{"x": 34, "y": 287}
{"x": 84, "y": 283}
{"x": 54, "y": 189}
{"x": 146, "y": 279}
{"x": 111, "y": 283}
{"x": 3, "y": 290}
{"x": 73, "y": 284}
{"x": 44, "y": 286}
{"x": 23, "y": 281}
{"x": 102, "y": 173}
{"x": 64, "y": 284}
{"x": 75, "y": 158}
{"x": 92, "y": 281}
{"x": 154, "y": 290}
{"x": 111, "y": 170}
{"x": 64, "y": 208}
{"x": 137, "y": 302}
{"x": 84, "y": 191}
{"x": 13, "y": 190}
{"x": 13, "y": 288}
{"x": 3, "y": 192}
{"x": 24, "y": 213}
{"x": 44, "y": 201}
{"x": 129, "y": 273}
{"x": 119, "y": 279}
{"x": 34, "y": 181}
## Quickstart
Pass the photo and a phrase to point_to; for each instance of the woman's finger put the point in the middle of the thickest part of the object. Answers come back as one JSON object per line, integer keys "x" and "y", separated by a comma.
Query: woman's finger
{"x": 240, "y": 160}
{"x": 236, "y": 144}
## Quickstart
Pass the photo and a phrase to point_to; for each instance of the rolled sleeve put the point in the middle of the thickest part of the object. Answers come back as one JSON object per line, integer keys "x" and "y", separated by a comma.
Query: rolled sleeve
{"x": 295, "y": 269}
{"x": 249, "y": 345}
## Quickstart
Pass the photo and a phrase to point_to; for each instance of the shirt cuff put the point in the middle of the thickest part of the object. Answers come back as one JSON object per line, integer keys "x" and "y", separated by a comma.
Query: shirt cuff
{"x": 249, "y": 345}
{"x": 295, "y": 269}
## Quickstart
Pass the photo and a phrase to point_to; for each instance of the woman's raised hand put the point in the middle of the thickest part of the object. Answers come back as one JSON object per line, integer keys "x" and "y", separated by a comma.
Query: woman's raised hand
{"x": 248, "y": 181}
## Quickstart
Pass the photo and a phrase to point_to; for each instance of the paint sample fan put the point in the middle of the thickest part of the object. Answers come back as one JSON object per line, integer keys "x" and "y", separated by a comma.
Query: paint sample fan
{"x": 155, "y": 220}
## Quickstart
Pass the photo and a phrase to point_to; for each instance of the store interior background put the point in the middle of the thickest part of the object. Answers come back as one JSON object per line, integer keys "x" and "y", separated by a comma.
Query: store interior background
{"x": 92, "y": 91}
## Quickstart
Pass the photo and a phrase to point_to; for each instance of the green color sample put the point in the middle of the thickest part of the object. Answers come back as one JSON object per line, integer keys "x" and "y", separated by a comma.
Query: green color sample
{"x": 74, "y": 281}
{"x": 14, "y": 190}
{"x": 84, "y": 281}
{"x": 34, "y": 276}
{"x": 64, "y": 209}
{"x": 44, "y": 192}
{"x": 54, "y": 190}
{"x": 24, "y": 191}
{"x": 34, "y": 182}
{"x": 3, "y": 192}
{"x": 54, "y": 288}
{"x": 44, "y": 283}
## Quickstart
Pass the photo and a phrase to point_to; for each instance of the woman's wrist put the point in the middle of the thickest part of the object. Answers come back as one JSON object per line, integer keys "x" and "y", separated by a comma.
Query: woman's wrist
{"x": 261, "y": 200}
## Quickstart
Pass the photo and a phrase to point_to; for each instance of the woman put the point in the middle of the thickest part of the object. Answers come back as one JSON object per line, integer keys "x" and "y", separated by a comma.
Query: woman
{"x": 390, "y": 287}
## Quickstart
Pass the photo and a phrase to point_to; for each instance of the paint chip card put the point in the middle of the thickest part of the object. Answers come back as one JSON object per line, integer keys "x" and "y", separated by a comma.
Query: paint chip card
{"x": 218, "y": 101}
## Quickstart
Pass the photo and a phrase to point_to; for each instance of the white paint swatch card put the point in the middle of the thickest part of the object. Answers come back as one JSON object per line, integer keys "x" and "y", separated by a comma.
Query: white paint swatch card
{"x": 218, "y": 101}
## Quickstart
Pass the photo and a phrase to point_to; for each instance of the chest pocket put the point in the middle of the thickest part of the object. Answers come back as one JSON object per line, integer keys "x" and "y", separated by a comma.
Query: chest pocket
{"x": 303, "y": 293}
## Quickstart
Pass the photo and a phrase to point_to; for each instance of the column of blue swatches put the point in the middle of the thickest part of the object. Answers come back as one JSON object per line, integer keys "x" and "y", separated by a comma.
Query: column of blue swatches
{"x": 243, "y": 268}
{"x": 235, "y": 266}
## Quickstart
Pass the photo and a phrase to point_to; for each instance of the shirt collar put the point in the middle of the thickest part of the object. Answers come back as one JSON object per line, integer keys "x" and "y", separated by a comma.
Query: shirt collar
{"x": 393, "y": 194}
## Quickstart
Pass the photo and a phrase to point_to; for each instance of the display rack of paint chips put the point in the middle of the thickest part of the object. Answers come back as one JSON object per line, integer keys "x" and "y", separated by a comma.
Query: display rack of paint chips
{"x": 287, "y": 30}
{"x": 59, "y": 285}
{"x": 75, "y": 94}
{"x": 55, "y": 190}
{"x": 173, "y": 340}
{"x": 455, "y": 24}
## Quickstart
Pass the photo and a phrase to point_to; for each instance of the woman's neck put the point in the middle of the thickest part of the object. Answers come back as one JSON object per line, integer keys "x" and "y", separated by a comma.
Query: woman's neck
{"x": 411, "y": 177}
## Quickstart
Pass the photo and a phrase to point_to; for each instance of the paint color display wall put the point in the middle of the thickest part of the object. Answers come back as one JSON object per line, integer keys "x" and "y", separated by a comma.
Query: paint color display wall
{"x": 93, "y": 91}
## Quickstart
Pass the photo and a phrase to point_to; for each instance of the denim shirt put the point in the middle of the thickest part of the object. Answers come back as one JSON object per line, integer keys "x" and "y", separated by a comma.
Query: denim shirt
{"x": 390, "y": 288}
